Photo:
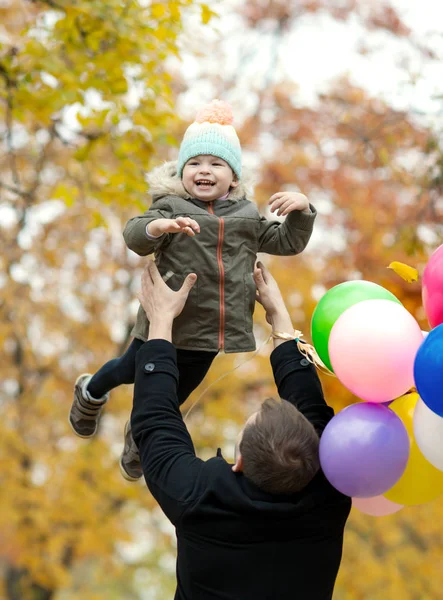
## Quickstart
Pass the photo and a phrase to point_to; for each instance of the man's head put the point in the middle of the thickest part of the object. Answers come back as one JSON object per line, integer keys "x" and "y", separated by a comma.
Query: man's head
{"x": 278, "y": 448}
{"x": 211, "y": 137}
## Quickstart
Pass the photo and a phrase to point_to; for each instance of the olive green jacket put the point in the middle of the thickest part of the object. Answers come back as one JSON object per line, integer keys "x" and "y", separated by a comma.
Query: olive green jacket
{"x": 218, "y": 312}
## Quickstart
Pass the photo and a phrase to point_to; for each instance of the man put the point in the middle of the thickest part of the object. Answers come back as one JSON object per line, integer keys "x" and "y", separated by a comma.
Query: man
{"x": 269, "y": 527}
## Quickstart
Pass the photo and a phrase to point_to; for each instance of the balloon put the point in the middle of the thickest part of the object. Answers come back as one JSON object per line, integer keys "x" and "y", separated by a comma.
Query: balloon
{"x": 364, "y": 450}
{"x": 378, "y": 506}
{"x": 425, "y": 333}
{"x": 428, "y": 432}
{"x": 334, "y": 303}
{"x": 432, "y": 288}
{"x": 421, "y": 482}
{"x": 372, "y": 347}
{"x": 428, "y": 370}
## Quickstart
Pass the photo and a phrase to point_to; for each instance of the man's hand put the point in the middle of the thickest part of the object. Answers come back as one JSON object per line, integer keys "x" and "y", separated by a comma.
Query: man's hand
{"x": 269, "y": 296}
{"x": 268, "y": 292}
{"x": 160, "y": 303}
{"x": 178, "y": 225}
{"x": 286, "y": 202}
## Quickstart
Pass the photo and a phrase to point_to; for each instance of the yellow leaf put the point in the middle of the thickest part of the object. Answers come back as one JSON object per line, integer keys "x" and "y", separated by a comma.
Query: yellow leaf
{"x": 207, "y": 14}
{"x": 406, "y": 272}
{"x": 383, "y": 155}
{"x": 174, "y": 10}
{"x": 158, "y": 10}
{"x": 67, "y": 193}
{"x": 161, "y": 33}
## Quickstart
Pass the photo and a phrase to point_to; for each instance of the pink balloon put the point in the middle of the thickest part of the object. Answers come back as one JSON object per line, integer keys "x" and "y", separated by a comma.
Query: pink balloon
{"x": 378, "y": 506}
{"x": 432, "y": 288}
{"x": 372, "y": 347}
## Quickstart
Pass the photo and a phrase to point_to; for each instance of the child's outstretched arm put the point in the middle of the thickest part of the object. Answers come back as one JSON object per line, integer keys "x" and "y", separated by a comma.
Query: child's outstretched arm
{"x": 146, "y": 233}
{"x": 291, "y": 236}
{"x": 179, "y": 225}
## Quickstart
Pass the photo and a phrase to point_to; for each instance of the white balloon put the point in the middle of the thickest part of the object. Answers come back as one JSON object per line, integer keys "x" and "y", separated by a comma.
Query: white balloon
{"x": 425, "y": 333}
{"x": 428, "y": 432}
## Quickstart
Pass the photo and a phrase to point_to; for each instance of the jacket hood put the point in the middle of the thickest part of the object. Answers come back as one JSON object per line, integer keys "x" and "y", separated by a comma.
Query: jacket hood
{"x": 163, "y": 181}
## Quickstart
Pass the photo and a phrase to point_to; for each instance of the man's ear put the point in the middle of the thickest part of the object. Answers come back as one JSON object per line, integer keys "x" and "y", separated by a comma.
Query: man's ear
{"x": 238, "y": 466}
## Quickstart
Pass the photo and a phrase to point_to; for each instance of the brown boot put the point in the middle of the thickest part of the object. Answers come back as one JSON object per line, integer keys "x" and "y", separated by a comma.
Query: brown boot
{"x": 130, "y": 466}
{"x": 85, "y": 411}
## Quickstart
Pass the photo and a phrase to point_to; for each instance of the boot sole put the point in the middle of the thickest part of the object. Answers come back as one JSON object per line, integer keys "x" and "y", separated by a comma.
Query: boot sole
{"x": 85, "y": 437}
{"x": 120, "y": 464}
{"x": 125, "y": 475}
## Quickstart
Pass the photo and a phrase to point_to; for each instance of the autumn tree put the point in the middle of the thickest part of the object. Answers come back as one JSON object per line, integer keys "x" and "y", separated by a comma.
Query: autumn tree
{"x": 89, "y": 94}
{"x": 86, "y": 99}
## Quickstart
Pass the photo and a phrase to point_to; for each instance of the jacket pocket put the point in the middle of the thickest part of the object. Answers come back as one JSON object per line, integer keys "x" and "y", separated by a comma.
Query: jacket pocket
{"x": 187, "y": 322}
{"x": 249, "y": 300}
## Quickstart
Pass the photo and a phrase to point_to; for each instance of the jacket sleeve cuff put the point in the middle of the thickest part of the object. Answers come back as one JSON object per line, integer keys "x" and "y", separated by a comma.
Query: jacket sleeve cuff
{"x": 150, "y": 236}
{"x": 285, "y": 359}
{"x": 157, "y": 356}
{"x": 300, "y": 220}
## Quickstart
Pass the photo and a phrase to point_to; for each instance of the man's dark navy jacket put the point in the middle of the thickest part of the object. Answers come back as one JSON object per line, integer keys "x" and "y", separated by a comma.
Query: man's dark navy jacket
{"x": 236, "y": 542}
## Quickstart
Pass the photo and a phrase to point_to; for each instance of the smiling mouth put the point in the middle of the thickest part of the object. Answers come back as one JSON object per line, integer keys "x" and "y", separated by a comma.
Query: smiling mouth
{"x": 205, "y": 183}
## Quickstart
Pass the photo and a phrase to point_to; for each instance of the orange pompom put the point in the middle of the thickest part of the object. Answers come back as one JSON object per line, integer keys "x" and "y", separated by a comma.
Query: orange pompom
{"x": 217, "y": 111}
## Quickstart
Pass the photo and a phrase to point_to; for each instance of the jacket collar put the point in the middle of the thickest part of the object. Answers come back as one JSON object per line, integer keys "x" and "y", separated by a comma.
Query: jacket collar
{"x": 163, "y": 181}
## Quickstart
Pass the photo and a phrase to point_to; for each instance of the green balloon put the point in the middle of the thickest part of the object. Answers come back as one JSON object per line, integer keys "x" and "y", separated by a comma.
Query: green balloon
{"x": 334, "y": 303}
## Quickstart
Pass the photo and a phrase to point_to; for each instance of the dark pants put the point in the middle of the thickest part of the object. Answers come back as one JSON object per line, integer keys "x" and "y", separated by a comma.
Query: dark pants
{"x": 192, "y": 366}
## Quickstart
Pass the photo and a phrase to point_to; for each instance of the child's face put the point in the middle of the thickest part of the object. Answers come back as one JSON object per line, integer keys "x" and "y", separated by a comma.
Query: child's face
{"x": 208, "y": 177}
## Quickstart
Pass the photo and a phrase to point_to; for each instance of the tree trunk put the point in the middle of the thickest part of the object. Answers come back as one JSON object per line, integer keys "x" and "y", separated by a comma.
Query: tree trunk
{"x": 20, "y": 587}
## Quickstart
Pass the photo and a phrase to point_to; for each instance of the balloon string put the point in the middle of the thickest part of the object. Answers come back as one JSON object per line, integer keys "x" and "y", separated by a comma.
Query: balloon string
{"x": 310, "y": 353}
{"x": 224, "y": 375}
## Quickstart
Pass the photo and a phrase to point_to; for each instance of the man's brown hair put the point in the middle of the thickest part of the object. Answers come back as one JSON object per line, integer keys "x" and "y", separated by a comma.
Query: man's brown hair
{"x": 280, "y": 449}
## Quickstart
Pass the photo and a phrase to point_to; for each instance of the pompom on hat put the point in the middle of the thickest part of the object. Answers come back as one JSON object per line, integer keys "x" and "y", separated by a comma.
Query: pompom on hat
{"x": 212, "y": 133}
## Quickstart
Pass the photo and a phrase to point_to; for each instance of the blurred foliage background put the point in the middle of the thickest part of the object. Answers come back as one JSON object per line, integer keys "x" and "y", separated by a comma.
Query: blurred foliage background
{"x": 94, "y": 93}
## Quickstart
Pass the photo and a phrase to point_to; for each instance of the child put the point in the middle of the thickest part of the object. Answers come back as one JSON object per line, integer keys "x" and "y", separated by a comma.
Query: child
{"x": 200, "y": 222}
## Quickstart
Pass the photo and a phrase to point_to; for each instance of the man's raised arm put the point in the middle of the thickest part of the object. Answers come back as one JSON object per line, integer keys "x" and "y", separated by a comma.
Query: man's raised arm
{"x": 167, "y": 453}
{"x": 296, "y": 378}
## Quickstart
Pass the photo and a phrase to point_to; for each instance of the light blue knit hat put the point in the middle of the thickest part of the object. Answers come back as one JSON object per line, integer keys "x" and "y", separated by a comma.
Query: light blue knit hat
{"x": 212, "y": 133}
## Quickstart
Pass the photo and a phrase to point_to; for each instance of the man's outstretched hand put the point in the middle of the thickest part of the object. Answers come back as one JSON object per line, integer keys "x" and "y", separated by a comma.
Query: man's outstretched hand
{"x": 268, "y": 292}
{"x": 160, "y": 303}
{"x": 270, "y": 297}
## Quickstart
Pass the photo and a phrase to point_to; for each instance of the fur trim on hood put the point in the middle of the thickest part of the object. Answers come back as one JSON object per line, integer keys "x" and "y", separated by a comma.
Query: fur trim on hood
{"x": 163, "y": 181}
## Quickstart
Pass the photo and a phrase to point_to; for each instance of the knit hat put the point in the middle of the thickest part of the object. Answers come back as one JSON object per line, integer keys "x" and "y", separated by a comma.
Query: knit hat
{"x": 212, "y": 133}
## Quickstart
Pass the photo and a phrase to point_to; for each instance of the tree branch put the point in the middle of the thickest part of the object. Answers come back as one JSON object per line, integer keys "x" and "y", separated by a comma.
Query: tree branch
{"x": 50, "y": 3}
{"x": 9, "y": 123}
{"x": 15, "y": 190}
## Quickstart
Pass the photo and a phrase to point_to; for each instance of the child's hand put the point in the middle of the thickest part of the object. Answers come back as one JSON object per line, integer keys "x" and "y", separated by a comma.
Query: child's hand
{"x": 178, "y": 225}
{"x": 286, "y": 202}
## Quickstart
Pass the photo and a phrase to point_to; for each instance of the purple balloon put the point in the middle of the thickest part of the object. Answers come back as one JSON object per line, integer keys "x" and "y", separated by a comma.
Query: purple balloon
{"x": 364, "y": 450}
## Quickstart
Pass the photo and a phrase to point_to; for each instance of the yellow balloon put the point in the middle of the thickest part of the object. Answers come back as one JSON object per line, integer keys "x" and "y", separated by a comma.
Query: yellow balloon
{"x": 421, "y": 481}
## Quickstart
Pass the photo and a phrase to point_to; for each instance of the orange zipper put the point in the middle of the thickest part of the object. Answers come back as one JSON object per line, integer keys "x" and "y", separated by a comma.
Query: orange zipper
{"x": 221, "y": 270}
